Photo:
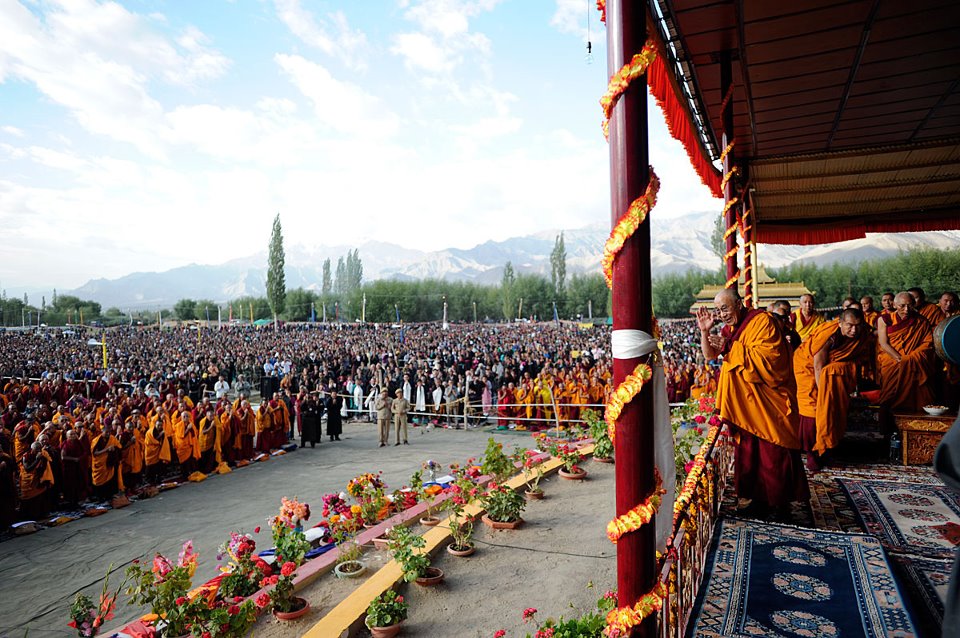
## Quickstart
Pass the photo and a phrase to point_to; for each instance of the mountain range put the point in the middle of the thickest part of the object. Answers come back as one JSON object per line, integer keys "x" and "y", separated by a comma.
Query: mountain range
{"x": 677, "y": 245}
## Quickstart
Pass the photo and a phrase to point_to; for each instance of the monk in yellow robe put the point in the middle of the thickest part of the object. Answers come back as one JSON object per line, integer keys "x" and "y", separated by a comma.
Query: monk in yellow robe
{"x": 156, "y": 448}
{"x": 132, "y": 454}
{"x": 756, "y": 397}
{"x": 826, "y": 367}
{"x": 906, "y": 357}
{"x": 929, "y": 311}
{"x": 186, "y": 443}
{"x": 209, "y": 443}
{"x": 870, "y": 314}
{"x": 36, "y": 483}
{"x": 248, "y": 429}
{"x": 106, "y": 464}
{"x": 806, "y": 318}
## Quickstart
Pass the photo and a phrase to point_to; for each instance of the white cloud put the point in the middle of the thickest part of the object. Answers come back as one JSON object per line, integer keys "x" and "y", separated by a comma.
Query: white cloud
{"x": 12, "y": 130}
{"x": 332, "y": 36}
{"x": 341, "y": 106}
{"x": 444, "y": 39}
{"x": 97, "y": 60}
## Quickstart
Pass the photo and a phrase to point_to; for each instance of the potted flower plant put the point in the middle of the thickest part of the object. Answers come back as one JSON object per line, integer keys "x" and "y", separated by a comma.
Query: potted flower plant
{"x": 348, "y": 553}
{"x": 88, "y": 617}
{"x": 461, "y": 525}
{"x": 163, "y": 586}
{"x": 496, "y": 463}
{"x": 407, "y": 549}
{"x": 426, "y": 493}
{"x": 570, "y": 457}
{"x": 244, "y": 570}
{"x": 226, "y": 619}
{"x": 532, "y": 473}
{"x": 385, "y": 614}
{"x": 602, "y": 445}
{"x": 291, "y": 548}
{"x": 503, "y": 506}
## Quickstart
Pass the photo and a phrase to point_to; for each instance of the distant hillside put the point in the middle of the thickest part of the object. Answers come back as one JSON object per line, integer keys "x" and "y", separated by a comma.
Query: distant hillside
{"x": 678, "y": 245}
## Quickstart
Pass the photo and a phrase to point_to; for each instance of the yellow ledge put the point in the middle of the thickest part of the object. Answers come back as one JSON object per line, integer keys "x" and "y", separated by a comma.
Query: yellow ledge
{"x": 349, "y": 614}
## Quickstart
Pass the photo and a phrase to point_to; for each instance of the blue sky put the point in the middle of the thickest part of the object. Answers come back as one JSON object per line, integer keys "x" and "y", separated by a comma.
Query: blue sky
{"x": 144, "y": 135}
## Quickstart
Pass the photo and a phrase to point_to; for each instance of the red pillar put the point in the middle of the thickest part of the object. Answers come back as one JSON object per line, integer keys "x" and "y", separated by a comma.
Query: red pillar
{"x": 632, "y": 309}
{"x": 730, "y": 218}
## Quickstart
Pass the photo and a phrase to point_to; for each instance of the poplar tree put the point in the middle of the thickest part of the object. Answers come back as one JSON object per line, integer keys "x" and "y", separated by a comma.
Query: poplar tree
{"x": 558, "y": 266}
{"x": 276, "y": 283}
{"x": 506, "y": 291}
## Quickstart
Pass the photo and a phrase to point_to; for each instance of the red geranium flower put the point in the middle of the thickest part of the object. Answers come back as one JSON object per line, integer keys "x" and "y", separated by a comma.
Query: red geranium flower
{"x": 233, "y": 610}
{"x": 287, "y": 569}
{"x": 500, "y": 633}
{"x": 529, "y": 613}
{"x": 263, "y": 600}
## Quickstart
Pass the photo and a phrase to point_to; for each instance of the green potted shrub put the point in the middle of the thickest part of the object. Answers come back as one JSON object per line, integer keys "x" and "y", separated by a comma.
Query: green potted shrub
{"x": 385, "y": 614}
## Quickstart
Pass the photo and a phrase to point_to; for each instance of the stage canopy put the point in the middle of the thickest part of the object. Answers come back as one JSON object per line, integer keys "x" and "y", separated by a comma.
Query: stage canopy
{"x": 846, "y": 115}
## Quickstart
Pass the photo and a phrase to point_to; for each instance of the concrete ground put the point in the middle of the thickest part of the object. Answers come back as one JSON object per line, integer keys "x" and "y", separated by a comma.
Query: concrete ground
{"x": 41, "y": 573}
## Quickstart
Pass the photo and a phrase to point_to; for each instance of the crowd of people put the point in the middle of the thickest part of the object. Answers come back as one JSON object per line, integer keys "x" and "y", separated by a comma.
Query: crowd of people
{"x": 90, "y": 414}
{"x": 175, "y": 404}
{"x": 787, "y": 378}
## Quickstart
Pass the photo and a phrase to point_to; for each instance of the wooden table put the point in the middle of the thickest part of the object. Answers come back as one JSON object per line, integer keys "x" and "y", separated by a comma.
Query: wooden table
{"x": 920, "y": 435}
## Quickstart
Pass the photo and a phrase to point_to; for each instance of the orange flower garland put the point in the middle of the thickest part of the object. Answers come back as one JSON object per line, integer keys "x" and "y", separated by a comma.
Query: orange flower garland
{"x": 628, "y": 224}
{"x": 621, "y": 80}
{"x": 621, "y": 621}
{"x": 628, "y": 388}
{"x": 602, "y": 8}
{"x": 693, "y": 477}
{"x": 638, "y": 516}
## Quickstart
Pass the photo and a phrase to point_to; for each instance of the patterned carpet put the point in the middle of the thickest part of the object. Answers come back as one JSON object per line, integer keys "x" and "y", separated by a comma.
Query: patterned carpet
{"x": 906, "y": 517}
{"x": 926, "y": 580}
{"x": 776, "y": 580}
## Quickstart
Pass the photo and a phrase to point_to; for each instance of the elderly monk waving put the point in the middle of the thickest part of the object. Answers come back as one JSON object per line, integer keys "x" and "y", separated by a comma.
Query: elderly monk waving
{"x": 825, "y": 365}
{"x": 906, "y": 358}
{"x": 756, "y": 396}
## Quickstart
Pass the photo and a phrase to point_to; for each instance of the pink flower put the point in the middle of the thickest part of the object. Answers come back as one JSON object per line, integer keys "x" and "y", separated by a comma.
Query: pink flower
{"x": 500, "y": 633}
{"x": 547, "y": 632}
{"x": 700, "y": 419}
{"x": 610, "y": 595}
{"x": 714, "y": 420}
{"x": 529, "y": 613}
{"x": 256, "y": 530}
{"x": 399, "y": 599}
{"x": 688, "y": 466}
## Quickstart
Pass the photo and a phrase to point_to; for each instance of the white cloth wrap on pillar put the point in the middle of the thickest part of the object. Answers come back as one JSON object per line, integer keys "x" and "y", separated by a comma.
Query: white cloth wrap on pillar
{"x": 631, "y": 344}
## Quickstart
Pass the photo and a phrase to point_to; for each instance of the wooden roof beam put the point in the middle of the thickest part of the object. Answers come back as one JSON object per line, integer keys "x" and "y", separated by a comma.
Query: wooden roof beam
{"x": 864, "y": 38}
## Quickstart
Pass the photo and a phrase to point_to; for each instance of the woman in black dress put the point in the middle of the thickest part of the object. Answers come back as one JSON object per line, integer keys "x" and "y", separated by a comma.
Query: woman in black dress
{"x": 334, "y": 421}
{"x": 310, "y": 412}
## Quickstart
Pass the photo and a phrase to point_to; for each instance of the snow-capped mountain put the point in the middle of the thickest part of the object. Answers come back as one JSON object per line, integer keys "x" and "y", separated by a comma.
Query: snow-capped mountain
{"x": 677, "y": 245}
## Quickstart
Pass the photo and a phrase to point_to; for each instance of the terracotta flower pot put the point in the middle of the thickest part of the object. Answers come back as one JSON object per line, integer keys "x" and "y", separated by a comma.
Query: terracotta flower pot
{"x": 433, "y": 576}
{"x": 429, "y": 521}
{"x": 502, "y": 525}
{"x": 603, "y": 459}
{"x": 461, "y": 552}
{"x": 350, "y": 569}
{"x": 295, "y": 612}
{"x": 572, "y": 476}
{"x": 385, "y": 632}
{"x": 534, "y": 496}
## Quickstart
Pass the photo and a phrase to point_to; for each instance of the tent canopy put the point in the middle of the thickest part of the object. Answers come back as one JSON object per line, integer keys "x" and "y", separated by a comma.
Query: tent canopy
{"x": 846, "y": 113}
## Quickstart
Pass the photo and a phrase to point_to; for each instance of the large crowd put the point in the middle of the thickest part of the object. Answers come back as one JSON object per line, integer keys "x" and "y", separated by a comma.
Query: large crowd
{"x": 90, "y": 413}
{"x": 87, "y": 414}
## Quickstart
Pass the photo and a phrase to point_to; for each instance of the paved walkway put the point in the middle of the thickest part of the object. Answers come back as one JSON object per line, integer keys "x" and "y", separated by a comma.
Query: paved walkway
{"x": 41, "y": 573}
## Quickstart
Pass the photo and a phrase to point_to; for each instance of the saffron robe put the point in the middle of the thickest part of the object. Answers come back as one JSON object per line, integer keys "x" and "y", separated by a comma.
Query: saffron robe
{"x": 828, "y": 402}
{"x": 805, "y": 327}
{"x": 907, "y": 385}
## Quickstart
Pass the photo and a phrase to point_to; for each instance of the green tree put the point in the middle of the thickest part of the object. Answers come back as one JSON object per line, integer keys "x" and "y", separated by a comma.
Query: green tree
{"x": 673, "y": 294}
{"x": 717, "y": 242}
{"x": 507, "y": 297}
{"x": 276, "y": 282}
{"x": 587, "y": 292}
{"x": 558, "y": 267}
{"x": 537, "y": 295}
{"x": 185, "y": 309}
{"x": 340, "y": 279}
{"x": 299, "y": 304}
{"x": 327, "y": 286}
{"x": 243, "y": 305}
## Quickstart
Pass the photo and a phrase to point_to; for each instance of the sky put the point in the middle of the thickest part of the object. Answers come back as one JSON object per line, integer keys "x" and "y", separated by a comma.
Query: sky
{"x": 148, "y": 134}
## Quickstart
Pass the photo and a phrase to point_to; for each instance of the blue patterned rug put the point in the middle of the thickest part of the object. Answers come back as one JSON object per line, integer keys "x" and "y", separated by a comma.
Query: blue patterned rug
{"x": 774, "y": 580}
{"x": 928, "y": 579}
{"x": 906, "y": 517}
